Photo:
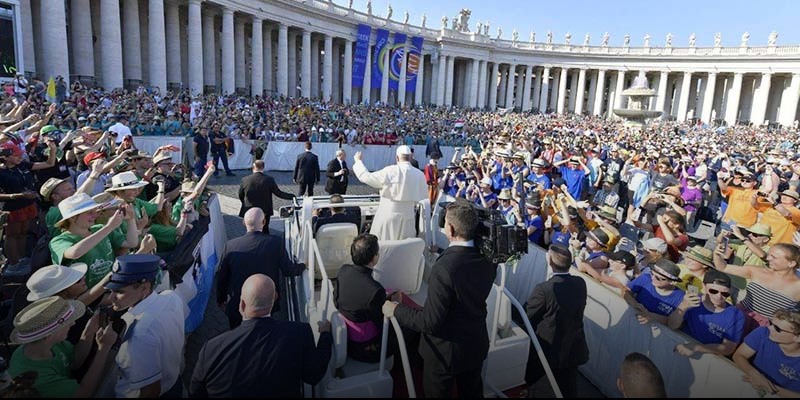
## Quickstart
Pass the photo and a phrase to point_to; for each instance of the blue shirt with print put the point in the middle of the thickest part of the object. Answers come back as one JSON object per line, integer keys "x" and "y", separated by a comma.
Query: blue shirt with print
{"x": 646, "y": 294}
{"x": 770, "y": 360}
{"x": 708, "y": 327}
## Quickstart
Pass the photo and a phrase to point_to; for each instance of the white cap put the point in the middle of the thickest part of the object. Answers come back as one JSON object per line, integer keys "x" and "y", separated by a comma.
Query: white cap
{"x": 403, "y": 150}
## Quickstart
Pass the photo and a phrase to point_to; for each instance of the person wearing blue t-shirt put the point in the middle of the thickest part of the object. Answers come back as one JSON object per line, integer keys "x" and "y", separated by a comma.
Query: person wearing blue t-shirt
{"x": 654, "y": 294}
{"x": 770, "y": 356}
{"x": 573, "y": 175}
{"x": 534, "y": 223}
{"x": 710, "y": 320}
{"x": 537, "y": 174}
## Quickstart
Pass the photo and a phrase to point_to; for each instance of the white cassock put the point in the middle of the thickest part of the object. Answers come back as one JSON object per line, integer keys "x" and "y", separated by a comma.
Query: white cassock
{"x": 401, "y": 187}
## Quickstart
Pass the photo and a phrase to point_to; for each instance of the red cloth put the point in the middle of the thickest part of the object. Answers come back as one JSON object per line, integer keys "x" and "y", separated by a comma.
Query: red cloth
{"x": 673, "y": 251}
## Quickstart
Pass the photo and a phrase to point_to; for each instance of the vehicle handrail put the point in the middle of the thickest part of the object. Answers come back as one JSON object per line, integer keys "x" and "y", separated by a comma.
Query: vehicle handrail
{"x": 535, "y": 340}
{"x": 497, "y": 304}
{"x": 412, "y": 393}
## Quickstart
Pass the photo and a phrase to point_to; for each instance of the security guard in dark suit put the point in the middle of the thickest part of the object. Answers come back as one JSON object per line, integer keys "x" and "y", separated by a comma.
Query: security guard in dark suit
{"x": 256, "y": 190}
{"x": 454, "y": 340}
{"x": 306, "y": 171}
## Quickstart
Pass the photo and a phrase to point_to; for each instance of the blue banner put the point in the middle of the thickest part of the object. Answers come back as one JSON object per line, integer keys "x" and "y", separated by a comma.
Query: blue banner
{"x": 415, "y": 62}
{"x": 396, "y": 60}
{"x": 360, "y": 54}
{"x": 381, "y": 38}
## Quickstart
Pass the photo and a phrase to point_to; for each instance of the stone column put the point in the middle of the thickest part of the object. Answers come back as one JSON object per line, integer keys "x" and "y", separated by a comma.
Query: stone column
{"x": 553, "y": 104}
{"x": 385, "y": 78}
{"x": 732, "y": 106}
{"x": 501, "y": 96}
{"x": 569, "y": 106}
{"x": 760, "y": 99}
{"x": 314, "y": 68}
{"x": 209, "y": 46}
{"x": 327, "y": 69}
{"x": 526, "y": 91}
{"x": 708, "y": 97}
{"x": 239, "y": 46}
{"x": 173, "y": 42}
{"x": 26, "y": 15}
{"x": 347, "y": 76}
{"x": 537, "y": 87}
{"x": 228, "y": 47}
{"x": 366, "y": 96}
{"x": 510, "y": 82}
{"x": 257, "y": 58}
{"x": 336, "y": 84}
{"x": 268, "y": 63}
{"x": 110, "y": 44}
{"x": 157, "y": 44}
{"x": 448, "y": 91}
{"x": 579, "y": 92}
{"x": 472, "y": 97}
{"x": 520, "y": 86}
{"x": 418, "y": 89}
{"x": 618, "y": 90}
{"x": 789, "y": 99}
{"x": 661, "y": 99}
{"x": 562, "y": 91}
{"x": 481, "y": 103}
{"x": 131, "y": 39}
{"x": 81, "y": 29}
{"x": 54, "y": 40}
{"x": 283, "y": 60}
{"x": 292, "y": 65}
{"x": 592, "y": 92}
{"x": 401, "y": 84}
{"x": 493, "y": 86}
{"x": 683, "y": 100}
{"x": 194, "y": 31}
{"x": 545, "y": 87}
{"x": 305, "y": 75}
{"x": 599, "y": 92}
{"x": 441, "y": 80}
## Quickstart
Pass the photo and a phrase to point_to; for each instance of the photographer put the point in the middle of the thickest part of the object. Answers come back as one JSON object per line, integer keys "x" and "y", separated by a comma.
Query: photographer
{"x": 19, "y": 196}
{"x": 782, "y": 217}
{"x": 168, "y": 172}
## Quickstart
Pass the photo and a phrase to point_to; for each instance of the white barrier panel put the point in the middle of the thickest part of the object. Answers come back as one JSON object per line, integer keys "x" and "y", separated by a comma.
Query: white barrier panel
{"x": 241, "y": 159}
{"x": 613, "y": 331}
{"x": 281, "y": 156}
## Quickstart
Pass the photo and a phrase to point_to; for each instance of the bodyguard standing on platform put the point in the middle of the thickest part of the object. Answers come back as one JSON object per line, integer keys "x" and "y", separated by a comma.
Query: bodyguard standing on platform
{"x": 454, "y": 340}
{"x": 306, "y": 171}
{"x": 256, "y": 190}
{"x": 338, "y": 174}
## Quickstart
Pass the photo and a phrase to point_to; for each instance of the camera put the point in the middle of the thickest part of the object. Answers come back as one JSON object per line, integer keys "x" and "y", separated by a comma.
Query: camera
{"x": 494, "y": 237}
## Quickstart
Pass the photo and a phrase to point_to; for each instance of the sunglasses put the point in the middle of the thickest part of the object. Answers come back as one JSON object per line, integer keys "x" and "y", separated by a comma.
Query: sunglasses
{"x": 715, "y": 291}
{"x": 779, "y": 329}
{"x": 746, "y": 180}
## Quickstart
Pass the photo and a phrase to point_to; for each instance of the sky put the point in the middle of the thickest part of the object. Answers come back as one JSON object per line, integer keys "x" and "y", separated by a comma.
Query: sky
{"x": 617, "y": 17}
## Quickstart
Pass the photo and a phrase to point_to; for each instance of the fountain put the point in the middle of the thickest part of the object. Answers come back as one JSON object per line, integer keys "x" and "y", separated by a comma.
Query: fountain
{"x": 637, "y": 114}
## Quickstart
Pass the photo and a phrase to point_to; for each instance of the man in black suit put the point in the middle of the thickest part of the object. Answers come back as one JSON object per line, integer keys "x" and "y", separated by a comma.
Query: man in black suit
{"x": 555, "y": 310}
{"x": 454, "y": 339}
{"x": 306, "y": 171}
{"x": 432, "y": 149}
{"x": 256, "y": 190}
{"x": 413, "y": 161}
{"x": 337, "y": 215}
{"x": 337, "y": 174}
{"x": 256, "y": 252}
{"x": 263, "y": 357}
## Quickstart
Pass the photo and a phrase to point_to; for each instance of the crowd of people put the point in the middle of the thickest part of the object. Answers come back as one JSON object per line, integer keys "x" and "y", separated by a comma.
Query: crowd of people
{"x": 621, "y": 204}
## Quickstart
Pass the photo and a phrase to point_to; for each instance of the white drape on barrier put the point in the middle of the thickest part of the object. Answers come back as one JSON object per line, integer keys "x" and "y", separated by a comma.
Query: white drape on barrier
{"x": 241, "y": 159}
{"x": 281, "y": 156}
{"x": 613, "y": 331}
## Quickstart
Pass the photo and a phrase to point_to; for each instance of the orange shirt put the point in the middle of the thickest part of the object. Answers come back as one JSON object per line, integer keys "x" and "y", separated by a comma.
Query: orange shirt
{"x": 783, "y": 228}
{"x": 739, "y": 208}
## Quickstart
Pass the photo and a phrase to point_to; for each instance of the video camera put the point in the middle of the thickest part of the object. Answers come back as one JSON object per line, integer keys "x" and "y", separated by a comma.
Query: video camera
{"x": 494, "y": 237}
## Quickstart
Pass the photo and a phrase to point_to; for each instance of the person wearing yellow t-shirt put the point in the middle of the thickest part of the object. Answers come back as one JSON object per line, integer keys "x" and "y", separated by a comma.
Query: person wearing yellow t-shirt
{"x": 696, "y": 261}
{"x": 782, "y": 218}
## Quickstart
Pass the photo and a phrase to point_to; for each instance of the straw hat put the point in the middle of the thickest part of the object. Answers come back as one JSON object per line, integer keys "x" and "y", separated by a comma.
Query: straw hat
{"x": 759, "y": 229}
{"x": 124, "y": 181}
{"x": 187, "y": 187}
{"x": 75, "y": 205}
{"x": 700, "y": 254}
{"x": 52, "y": 279}
{"x": 607, "y": 212}
{"x": 48, "y": 187}
{"x": 505, "y": 194}
{"x": 791, "y": 193}
{"x": 166, "y": 156}
{"x": 539, "y": 163}
{"x": 43, "y": 317}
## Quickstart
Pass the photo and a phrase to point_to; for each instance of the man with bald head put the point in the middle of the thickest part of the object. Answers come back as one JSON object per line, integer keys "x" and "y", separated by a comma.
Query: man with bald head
{"x": 263, "y": 357}
{"x": 639, "y": 377}
{"x": 256, "y": 252}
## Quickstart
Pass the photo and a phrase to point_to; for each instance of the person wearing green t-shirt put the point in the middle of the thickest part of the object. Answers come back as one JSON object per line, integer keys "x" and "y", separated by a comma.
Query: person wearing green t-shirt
{"x": 84, "y": 241}
{"x": 41, "y": 329}
{"x": 126, "y": 186}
